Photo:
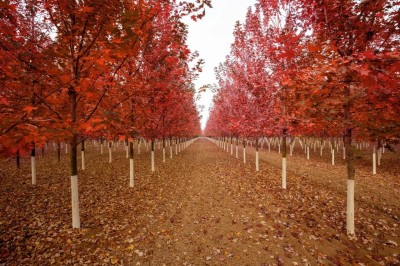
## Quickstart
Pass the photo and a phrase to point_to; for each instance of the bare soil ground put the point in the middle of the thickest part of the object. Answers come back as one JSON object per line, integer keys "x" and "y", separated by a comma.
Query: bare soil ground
{"x": 203, "y": 207}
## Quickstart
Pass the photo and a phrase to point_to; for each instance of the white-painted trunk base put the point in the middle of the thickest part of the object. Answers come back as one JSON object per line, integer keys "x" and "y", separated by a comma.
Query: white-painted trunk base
{"x": 163, "y": 154}
{"x": 109, "y": 155}
{"x": 350, "y": 207}
{"x": 257, "y": 165}
{"x": 170, "y": 152}
{"x": 374, "y": 163}
{"x": 152, "y": 161}
{"x": 333, "y": 156}
{"x": 284, "y": 173}
{"x": 131, "y": 173}
{"x": 76, "y": 223}
{"x": 244, "y": 155}
{"x": 237, "y": 152}
{"x": 83, "y": 160}
{"x": 33, "y": 167}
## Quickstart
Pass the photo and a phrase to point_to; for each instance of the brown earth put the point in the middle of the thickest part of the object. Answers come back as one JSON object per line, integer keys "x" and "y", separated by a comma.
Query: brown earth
{"x": 203, "y": 207}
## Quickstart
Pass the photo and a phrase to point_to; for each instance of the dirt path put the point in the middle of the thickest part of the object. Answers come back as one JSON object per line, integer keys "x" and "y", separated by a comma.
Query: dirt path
{"x": 203, "y": 207}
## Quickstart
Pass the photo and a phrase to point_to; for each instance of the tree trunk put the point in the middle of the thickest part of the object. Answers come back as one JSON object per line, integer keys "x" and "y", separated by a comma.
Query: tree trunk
{"x": 74, "y": 164}
{"x": 333, "y": 152}
{"x": 131, "y": 165}
{"x": 350, "y": 162}
{"x": 257, "y": 165}
{"x": 33, "y": 163}
{"x": 163, "y": 149}
{"x": 231, "y": 145}
{"x": 374, "y": 161}
{"x": 127, "y": 147}
{"x": 237, "y": 148}
{"x": 109, "y": 152}
{"x": 59, "y": 151}
{"x": 284, "y": 133}
{"x": 83, "y": 154}
{"x": 170, "y": 148}
{"x": 152, "y": 157}
{"x": 17, "y": 157}
{"x": 244, "y": 151}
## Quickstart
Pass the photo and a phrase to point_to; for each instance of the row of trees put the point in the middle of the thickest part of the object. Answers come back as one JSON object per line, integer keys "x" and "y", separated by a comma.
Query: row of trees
{"x": 71, "y": 70}
{"x": 320, "y": 69}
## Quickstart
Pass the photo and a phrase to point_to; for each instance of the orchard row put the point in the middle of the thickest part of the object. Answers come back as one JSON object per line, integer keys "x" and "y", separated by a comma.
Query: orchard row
{"x": 314, "y": 70}
{"x": 77, "y": 70}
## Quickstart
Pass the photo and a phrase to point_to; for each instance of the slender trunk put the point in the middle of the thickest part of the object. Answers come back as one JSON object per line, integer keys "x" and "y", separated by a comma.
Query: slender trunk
{"x": 321, "y": 146}
{"x": 59, "y": 151}
{"x": 74, "y": 164}
{"x": 127, "y": 147}
{"x": 344, "y": 153}
{"x": 374, "y": 161}
{"x": 131, "y": 165}
{"x": 33, "y": 164}
{"x": 109, "y": 152}
{"x": 237, "y": 148}
{"x": 170, "y": 148}
{"x": 17, "y": 157}
{"x": 333, "y": 152}
{"x": 284, "y": 133}
{"x": 379, "y": 151}
{"x": 350, "y": 162}
{"x": 163, "y": 150}
{"x": 257, "y": 165}
{"x": 244, "y": 151}
{"x": 83, "y": 154}
{"x": 152, "y": 156}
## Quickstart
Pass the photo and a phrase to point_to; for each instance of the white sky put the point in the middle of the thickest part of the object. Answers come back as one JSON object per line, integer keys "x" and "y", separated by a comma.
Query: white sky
{"x": 212, "y": 36}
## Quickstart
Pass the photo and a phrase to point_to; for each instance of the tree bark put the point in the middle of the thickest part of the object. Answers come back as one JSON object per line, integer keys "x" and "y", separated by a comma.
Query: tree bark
{"x": 244, "y": 151}
{"x": 131, "y": 165}
{"x": 284, "y": 134}
{"x": 83, "y": 154}
{"x": 17, "y": 157}
{"x": 152, "y": 156}
{"x": 59, "y": 151}
{"x": 163, "y": 149}
{"x": 257, "y": 162}
{"x": 350, "y": 161}
{"x": 33, "y": 163}
{"x": 74, "y": 163}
